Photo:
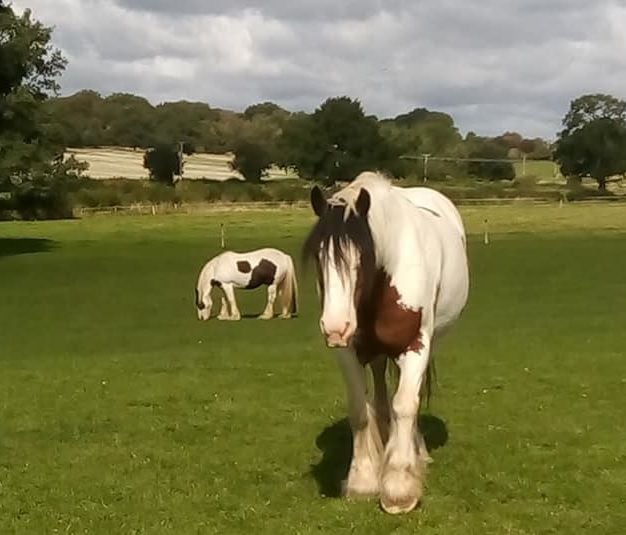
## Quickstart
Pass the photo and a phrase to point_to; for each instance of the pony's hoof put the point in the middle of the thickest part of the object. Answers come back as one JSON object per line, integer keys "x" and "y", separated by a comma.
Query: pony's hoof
{"x": 285, "y": 316}
{"x": 265, "y": 317}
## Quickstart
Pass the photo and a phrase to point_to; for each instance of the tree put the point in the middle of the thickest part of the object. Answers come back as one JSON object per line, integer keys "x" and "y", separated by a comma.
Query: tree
{"x": 597, "y": 149}
{"x": 129, "y": 121}
{"x": 593, "y": 140}
{"x": 485, "y": 149}
{"x": 31, "y": 165}
{"x": 251, "y": 160}
{"x": 588, "y": 108}
{"x": 419, "y": 132}
{"x": 336, "y": 142}
{"x": 163, "y": 162}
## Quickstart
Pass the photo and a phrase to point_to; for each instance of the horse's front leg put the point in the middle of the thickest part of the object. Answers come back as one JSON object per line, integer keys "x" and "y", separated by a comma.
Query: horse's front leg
{"x": 403, "y": 468}
{"x": 363, "y": 477}
{"x": 229, "y": 292}
{"x": 268, "y": 313}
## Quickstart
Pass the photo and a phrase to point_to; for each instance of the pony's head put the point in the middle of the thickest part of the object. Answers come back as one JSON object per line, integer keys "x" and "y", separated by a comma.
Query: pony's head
{"x": 204, "y": 286}
{"x": 203, "y": 304}
{"x": 342, "y": 247}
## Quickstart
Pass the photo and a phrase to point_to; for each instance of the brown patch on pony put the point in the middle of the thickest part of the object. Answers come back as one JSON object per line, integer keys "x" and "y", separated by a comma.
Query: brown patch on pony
{"x": 263, "y": 273}
{"x": 385, "y": 326}
{"x": 244, "y": 266}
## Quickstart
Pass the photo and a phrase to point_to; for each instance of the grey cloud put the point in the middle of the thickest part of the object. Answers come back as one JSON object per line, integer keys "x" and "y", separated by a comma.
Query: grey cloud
{"x": 289, "y": 10}
{"x": 493, "y": 65}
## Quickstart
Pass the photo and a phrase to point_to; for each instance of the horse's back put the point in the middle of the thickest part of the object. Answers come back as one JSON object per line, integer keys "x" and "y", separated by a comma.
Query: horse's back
{"x": 432, "y": 200}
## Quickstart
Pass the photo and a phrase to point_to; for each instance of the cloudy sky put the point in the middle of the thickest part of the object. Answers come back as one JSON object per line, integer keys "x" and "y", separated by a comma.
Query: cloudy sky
{"x": 494, "y": 65}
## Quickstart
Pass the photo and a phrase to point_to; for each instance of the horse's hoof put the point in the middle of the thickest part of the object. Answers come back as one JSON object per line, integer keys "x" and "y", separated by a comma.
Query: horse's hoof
{"x": 397, "y": 507}
{"x": 264, "y": 317}
{"x": 401, "y": 490}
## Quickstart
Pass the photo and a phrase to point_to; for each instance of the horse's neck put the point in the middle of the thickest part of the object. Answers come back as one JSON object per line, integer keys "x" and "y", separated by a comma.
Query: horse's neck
{"x": 208, "y": 273}
{"x": 389, "y": 222}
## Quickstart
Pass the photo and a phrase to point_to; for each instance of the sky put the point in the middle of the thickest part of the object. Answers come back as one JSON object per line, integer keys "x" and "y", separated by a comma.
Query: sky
{"x": 494, "y": 65}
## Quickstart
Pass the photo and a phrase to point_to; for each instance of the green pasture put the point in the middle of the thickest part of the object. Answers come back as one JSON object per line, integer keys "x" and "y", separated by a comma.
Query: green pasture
{"x": 120, "y": 413}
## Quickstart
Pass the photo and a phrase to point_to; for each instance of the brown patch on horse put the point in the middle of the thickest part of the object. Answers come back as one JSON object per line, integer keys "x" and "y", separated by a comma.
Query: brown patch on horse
{"x": 385, "y": 325}
{"x": 244, "y": 266}
{"x": 263, "y": 273}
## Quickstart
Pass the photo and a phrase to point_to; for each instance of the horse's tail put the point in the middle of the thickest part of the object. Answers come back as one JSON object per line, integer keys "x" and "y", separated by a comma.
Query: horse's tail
{"x": 290, "y": 288}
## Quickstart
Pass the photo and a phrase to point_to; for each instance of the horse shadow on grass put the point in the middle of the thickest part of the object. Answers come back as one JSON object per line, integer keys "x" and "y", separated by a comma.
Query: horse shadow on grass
{"x": 18, "y": 246}
{"x": 335, "y": 442}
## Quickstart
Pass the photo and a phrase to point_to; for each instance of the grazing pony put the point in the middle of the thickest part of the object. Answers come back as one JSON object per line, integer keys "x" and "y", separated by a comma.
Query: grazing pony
{"x": 230, "y": 270}
{"x": 392, "y": 276}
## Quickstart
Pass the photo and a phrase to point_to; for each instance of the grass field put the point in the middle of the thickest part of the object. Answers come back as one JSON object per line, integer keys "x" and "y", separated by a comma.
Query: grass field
{"x": 121, "y": 413}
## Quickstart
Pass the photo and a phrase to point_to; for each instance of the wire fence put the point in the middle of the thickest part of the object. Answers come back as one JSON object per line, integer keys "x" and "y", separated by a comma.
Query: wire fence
{"x": 169, "y": 208}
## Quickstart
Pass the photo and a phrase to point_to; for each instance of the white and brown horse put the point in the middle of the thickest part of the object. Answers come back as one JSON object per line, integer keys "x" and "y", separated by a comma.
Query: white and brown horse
{"x": 230, "y": 270}
{"x": 392, "y": 276}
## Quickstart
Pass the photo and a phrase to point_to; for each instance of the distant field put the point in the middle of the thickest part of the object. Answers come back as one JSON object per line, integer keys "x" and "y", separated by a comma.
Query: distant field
{"x": 120, "y": 162}
{"x": 543, "y": 170}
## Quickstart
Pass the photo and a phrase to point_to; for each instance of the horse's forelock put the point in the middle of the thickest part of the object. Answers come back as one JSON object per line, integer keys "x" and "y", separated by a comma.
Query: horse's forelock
{"x": 335, "y": 231}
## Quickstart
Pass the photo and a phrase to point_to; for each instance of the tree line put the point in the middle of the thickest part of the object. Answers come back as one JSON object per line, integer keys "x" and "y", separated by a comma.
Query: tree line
{"x": 334, "y": 142}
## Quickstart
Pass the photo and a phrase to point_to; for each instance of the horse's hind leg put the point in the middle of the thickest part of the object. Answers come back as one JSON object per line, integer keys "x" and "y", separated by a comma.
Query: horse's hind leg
{"x": 381, "y": 398}
{"x": 284, "y": 300}
{"x": 268, "y": 313}
{"x": 423, "y": 450}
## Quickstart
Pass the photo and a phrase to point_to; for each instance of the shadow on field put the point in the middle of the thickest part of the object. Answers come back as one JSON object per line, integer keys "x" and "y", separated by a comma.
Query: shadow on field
{"x": 17, "y": 246}
{"x": 335, "y": 442}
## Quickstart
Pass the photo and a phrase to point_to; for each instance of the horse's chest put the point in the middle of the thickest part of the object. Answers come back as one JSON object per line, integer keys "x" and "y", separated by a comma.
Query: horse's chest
{"x": 385, "y": 325}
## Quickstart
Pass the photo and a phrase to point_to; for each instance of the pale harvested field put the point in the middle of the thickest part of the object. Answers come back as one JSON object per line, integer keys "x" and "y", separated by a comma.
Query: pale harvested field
{"x": 122, "y": 162}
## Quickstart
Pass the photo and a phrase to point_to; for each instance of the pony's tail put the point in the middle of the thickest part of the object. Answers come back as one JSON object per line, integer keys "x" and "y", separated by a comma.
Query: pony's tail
{"x": 290, "y": 289}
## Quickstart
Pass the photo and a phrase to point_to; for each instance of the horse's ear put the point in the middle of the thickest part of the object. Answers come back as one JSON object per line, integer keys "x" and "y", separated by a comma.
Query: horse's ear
{"x": 318, "y": 202}
{"x": 363, "y": 202}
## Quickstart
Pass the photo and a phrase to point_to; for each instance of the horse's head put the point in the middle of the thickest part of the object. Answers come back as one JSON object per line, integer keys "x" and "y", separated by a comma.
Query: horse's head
{"x": 342, "y": 247}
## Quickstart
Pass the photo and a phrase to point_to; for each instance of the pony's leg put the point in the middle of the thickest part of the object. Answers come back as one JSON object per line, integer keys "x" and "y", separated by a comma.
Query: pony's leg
{"x": 285, "y": 300}
{"x": 381, "y": 398}
{"x": 229, "y": 292}
{"x": 403, "y": 470}
{"x": 224, "y": 312}
{"x": 363, "y": 477}
{"x": 268, "y": 313}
